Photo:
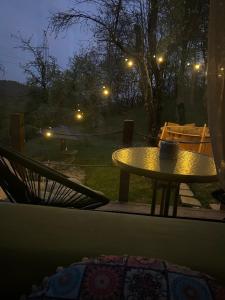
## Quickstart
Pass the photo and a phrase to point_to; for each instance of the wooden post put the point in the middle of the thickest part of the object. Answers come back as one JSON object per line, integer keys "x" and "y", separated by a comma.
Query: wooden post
{"x": 63, "y": 146}
{"x": 128, "y": 129}
{"x": 16, "y": 131}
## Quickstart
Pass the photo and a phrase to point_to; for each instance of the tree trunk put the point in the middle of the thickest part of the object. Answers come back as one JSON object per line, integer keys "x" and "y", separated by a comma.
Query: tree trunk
{"x": 154, "y": 74}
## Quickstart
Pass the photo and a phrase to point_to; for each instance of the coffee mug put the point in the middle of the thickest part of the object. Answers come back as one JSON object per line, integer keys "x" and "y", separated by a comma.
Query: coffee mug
{"x": 168, "y": 149}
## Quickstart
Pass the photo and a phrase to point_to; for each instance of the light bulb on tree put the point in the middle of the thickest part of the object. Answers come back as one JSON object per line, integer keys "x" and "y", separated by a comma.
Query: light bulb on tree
{"x": 197, "y": 67}
{"x": 160, "y": 59}
{"x": 79, "y": 115}
{"x": 130, "y": 63}
{"x": 48, "y": 133}
{"x": 105, "y": 91}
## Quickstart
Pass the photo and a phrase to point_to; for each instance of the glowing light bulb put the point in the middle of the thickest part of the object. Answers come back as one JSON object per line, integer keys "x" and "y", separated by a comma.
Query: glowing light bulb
{"x": 130, "y": 63}
{"x": 188, "y": 64}
{"x": 222, "y": 69}
{"x": 154, "y": 56}
{"x": 160, "y": 59}
{"x": 126, "y": 59}
{"x": 48, "y": 134}
{"x": 106, "y": 92}
{"x": 197, "y": 67}
{"x": 79, "y": 116}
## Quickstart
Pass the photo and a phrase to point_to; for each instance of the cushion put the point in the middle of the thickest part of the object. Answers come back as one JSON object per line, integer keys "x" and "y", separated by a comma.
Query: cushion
{"x": 128, "y": 277}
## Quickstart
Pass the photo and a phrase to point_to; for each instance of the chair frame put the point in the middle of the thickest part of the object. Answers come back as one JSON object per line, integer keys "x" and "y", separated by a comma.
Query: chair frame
{"x": 41, "y": 185}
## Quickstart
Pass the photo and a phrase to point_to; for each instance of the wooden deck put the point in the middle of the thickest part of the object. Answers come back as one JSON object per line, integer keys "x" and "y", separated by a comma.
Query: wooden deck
{"x": 142, "y": 208}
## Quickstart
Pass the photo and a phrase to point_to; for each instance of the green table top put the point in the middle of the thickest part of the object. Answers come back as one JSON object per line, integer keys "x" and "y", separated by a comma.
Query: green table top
{"x": 145, "y": 161}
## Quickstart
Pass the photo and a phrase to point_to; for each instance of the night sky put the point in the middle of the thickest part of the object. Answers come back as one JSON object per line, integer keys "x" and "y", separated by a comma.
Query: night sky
{"x": 30, "y": 17}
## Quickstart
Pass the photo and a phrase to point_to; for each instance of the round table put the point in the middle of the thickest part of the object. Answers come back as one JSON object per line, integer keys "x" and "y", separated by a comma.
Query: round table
{"x": 187, "y": 167}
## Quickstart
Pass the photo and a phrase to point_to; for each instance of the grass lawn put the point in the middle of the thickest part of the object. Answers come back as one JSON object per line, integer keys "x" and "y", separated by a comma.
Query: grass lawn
{"x": 94, "y": 156}
{"x": 107, "y": 181}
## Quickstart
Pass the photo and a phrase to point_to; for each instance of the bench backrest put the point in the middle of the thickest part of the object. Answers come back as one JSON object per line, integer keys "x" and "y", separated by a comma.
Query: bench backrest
{"x": 190, "y": 137}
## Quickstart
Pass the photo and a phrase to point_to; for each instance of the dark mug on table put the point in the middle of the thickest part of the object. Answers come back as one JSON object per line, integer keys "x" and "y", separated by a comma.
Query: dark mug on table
{"x": 168, "y": 149}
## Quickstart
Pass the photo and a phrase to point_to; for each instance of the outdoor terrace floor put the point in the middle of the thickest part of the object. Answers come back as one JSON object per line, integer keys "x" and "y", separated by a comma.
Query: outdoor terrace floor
{"x": 142, "y": 208}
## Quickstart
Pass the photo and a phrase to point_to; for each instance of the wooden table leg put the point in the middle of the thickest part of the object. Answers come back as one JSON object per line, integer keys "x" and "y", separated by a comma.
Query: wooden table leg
{"x": 124, "y": 186}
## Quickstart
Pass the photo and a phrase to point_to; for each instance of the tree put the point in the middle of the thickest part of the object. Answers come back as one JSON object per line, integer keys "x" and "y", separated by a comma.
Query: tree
{"x": 42, "y": 69}
{"x": 145, "y": 31}
{"x": 114, "y": 25}
{"x": 187, "y": 46}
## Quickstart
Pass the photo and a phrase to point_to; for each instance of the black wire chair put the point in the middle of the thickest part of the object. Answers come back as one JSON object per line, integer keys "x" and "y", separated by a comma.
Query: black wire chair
{"x": 27, "y": 181}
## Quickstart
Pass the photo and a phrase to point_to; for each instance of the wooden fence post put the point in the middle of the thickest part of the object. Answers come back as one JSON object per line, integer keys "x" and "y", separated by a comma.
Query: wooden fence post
{"x": 16, "y": 131}
{"x": 128, "y": 129}
{"x": 63, "y": 146}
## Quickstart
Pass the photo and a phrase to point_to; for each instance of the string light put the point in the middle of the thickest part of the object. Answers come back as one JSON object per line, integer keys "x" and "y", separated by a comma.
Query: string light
{"x": 48, "y": 133}
{"x": 160, "y": 59}
{"x": 105, "y": 91}
{"x": 197, "y": 67}
{"x": 79, "y": 115}
{"x": 130, "y": 62}
{"x": 188, "y": 64}
{"x": 222, "y": 69}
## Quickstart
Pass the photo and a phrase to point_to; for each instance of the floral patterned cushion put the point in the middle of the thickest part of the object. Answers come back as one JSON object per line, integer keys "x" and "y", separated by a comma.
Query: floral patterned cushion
{"x": 128, "y": 277}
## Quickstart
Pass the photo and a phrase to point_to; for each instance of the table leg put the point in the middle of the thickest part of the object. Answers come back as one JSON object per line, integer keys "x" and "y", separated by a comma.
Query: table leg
{"x": 162, "y": 204}
{"x": 124, "y": 186}
{"x": 154, "y": 194}
{"x": 167, "y": 199}
{"x": 176, "y": 199}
